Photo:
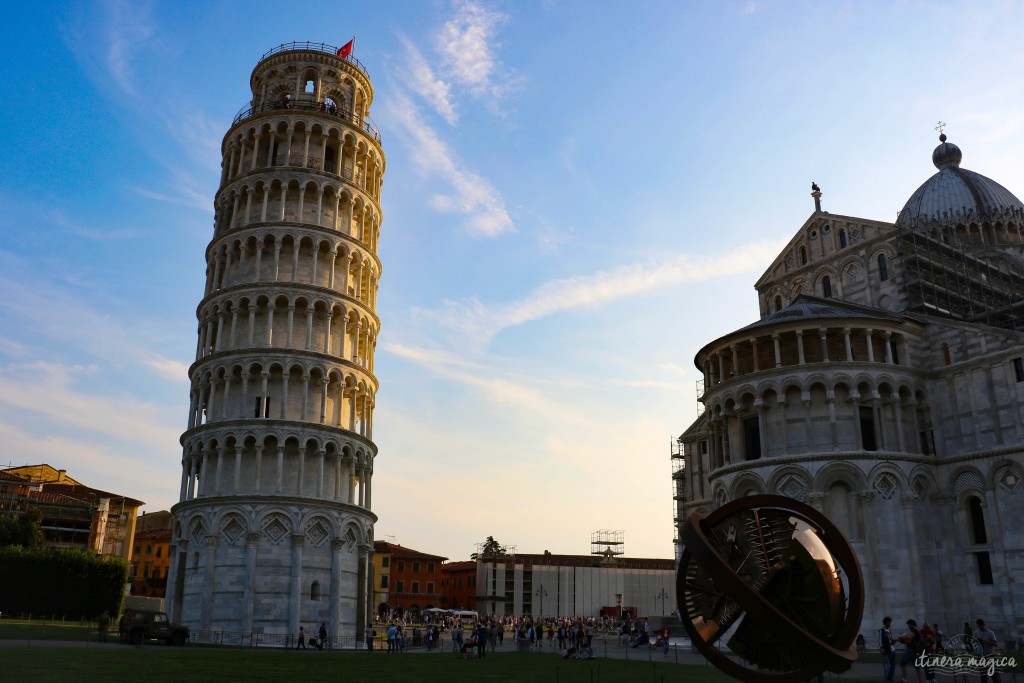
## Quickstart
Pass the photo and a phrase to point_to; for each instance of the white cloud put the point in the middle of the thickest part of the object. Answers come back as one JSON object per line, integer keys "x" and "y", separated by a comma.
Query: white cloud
{"x": 472, "y": 195}
{"x": 128, "y": 26}
{"x": 171, "y": 370}
{"x": 422, "y": 80}
{"x": 481, "y": 322}
{"x": 465, "y": 44}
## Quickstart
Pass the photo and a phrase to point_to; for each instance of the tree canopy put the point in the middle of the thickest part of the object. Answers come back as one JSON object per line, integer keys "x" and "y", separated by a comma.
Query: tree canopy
{"x": 490, "y": 548}
{"x": 21, "y": 529}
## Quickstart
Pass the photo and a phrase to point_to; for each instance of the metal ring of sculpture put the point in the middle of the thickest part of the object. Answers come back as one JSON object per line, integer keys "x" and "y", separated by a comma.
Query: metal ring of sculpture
{"x": 767, "y": 574}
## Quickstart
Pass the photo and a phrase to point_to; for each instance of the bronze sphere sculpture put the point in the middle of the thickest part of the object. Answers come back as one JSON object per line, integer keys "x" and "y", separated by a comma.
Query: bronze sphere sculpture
{"x": 774, "y": 581}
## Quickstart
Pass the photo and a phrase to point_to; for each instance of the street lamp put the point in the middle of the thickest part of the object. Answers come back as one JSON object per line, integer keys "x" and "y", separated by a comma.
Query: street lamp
{"x": 663, "y": 595}
{"x": 541, "y": 593}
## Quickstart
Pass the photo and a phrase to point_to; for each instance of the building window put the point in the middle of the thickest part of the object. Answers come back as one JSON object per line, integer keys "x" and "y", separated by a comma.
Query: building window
{"x": 946, "y": 356}
{"x": 401, "y": 566}
{"x": 399, "y": 586}
{"x": 803, "y": 256}
{"x": 883, "y": 268}
{"x": 752, "y": 437}
{"x": 415, "y": 567}
{"x": 430, "y": 568}
{"x": 159, "y": 550}
{"x": 314, "y": 591}
{"x": 384, "y": 581}
{"x": 984, "y": 568}
{"x": 415, "y": 586}
{"x": 842, "y": 239}
{"x": 978, "y": 535}
{"x": 826, "y": 287}
{"x": 262, "y": 406}
{"x": 1018, "y": 369}
{"x": 430, "y": 587}
{"x": 867, "y": 428}
{"x": 385, "y": 561}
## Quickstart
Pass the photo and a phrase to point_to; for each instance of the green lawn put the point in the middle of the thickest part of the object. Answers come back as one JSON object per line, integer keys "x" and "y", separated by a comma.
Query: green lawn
{"x": 156, "y": 663}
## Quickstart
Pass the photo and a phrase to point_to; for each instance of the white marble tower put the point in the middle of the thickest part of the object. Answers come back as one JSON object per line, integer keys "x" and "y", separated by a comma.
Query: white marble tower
{"x": 274, "y": 528}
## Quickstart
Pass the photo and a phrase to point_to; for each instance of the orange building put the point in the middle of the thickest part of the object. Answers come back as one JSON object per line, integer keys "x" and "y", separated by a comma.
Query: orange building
{"x": 151, "y": 554}
{"x": 414, "y": 578}
{"x": 458, "y": 586}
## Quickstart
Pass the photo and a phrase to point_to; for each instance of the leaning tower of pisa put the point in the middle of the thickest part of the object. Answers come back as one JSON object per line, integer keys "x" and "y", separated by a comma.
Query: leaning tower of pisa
{"x": 274, "y": 529}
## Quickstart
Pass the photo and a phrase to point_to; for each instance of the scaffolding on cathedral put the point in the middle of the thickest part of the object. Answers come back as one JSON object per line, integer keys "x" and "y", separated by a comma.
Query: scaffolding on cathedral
{"x": 967, "y": 266}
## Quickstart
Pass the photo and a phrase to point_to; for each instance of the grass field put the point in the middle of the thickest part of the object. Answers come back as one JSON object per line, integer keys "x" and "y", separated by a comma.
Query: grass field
{"x": 155, "y": 664}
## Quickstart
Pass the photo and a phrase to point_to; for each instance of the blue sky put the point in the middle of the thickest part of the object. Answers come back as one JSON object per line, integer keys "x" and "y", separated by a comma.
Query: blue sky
{"x": 578, "y": 196}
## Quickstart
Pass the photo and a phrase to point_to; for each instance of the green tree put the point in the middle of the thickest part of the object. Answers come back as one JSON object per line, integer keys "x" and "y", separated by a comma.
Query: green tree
{"x": 22, "y": 529}
{"x": 490, "y": 549}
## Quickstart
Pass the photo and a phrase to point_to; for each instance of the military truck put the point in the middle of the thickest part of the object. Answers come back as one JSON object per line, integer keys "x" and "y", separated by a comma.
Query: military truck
{"x": 138, "y": 626}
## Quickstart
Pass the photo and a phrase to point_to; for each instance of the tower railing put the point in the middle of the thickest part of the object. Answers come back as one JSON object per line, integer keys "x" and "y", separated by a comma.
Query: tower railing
{"x": 315, "y": 47}
{"x": 303, "y": 105}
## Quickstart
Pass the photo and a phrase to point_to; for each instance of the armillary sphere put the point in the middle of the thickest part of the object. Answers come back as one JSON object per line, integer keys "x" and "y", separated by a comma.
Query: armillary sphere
{"x": 776, "y": 583}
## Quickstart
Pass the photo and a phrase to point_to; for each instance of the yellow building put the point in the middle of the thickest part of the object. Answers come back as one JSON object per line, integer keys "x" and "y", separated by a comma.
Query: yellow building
{"x": 74, "y": 515}
{"x": 151, "y": 554}
{"x": 381, "y": 576}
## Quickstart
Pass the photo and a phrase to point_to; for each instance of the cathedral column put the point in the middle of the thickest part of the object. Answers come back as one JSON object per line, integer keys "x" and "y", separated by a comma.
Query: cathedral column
{"x": 888, "y": 348}
{"x": 783, "y": 432}
{"x": 830, "y": 401}
{"x": 234, "y": 326}
{"x": 334, "y": 616}
{"x": 183, "y": 489}
{"x": 849, "y": 346}
{"x": 279, "y": 483}
{"x": 823, "y": 333}
{"x": 204, "y": 483}
{"x": 284, "y": 394}
{"x": 753, "y": 347}
{"x": 269, "y": 339}
{"x": 206, "y": 607}
{"x": 295, "y": 584}
{"x": 252, "y": 324}
{"x": 192, "y": 462}
{"x": 910, "y": 538}
{"x": 238, "y": 470}
{"x": 897, "y": 410}
{"x": 300, "y": 480}
{"x": 871, "y": 345}
{"x": 309, "y": 328}
{"x": 291, "y": 325}
{"x": 259, "y": 467}
{"x": 800, "y": 347}
{"x": 778, "y": 351}
{"x": 252, "y": 545}
{"x": 320, "y": 473}
{"x": 316, "y": 261}
{"x": 259, "y": 261}
{"x": 735, "y": 360}
{"x": 337, "y": 476}
{"x": 871, "y": 565}
{"x": 220, "y": 468}
{"x": 277, "y": 260}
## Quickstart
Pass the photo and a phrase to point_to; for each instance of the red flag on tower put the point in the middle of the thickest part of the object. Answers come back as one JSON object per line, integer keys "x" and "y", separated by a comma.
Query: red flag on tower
{"x": 345, "y": 50}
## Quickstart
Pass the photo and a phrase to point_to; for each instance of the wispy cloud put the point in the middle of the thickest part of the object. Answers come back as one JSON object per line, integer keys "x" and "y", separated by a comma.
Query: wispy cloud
{"x": 171, "y": 370}
{"x": 421, "y": 79}
{"x": 465, "y": 44}
{"x": 481, "y": 322}
{"x": 471, "y": 194}
{"x": 128, "y": 26}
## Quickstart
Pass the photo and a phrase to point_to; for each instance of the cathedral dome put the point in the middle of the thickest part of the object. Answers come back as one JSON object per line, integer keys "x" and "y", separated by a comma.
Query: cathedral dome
{"x": 955, "y": 194}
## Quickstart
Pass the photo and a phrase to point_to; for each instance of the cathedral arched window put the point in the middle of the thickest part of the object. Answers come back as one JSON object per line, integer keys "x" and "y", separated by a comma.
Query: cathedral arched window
{"x": 883, "y": 268}
{"x": 978, "y": 534}
{"x": 946, "y": 356}
{"x": 314, "y": 591}
{"x": 826, "y": 287}
{"x": 980, "y": 537}
{"x": 778, "y": 304}
{"x": 842, "y": 239}
{"x": 803, "y": 256}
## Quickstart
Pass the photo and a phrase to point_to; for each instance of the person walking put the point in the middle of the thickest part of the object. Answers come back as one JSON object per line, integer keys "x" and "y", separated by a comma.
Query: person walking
{"x": 885, "y": 645}
{"x": 986, "y": 640}
{"x": 302, "y": 639}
